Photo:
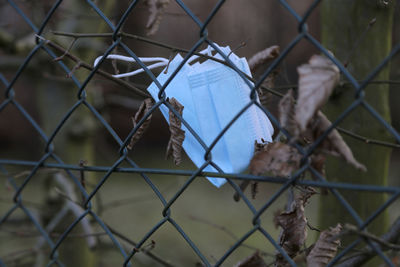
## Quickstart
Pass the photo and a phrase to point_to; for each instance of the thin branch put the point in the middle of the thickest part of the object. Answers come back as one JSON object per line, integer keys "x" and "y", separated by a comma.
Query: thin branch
{"x": 342, "y": 83}
{"x": 182, "y": 50}
{"x": 90, "y": 68}
{"x": 312, "y": 227}
{"x": 229, "y": 233}
{"x": 177, "y": 49}
{"x": 19, "y": 233}
{"x": 133, "y": 243}
{"x": 30, "y": 203}
{"x": 23, "y": 174}
{"x": 271, "y": 90}
{"x": 360, "y": 38}
{"x": 392, "y": 236}
{"x": 13, "y": 257}
{"x": 159, "y": 44}
{"x": 67, "y": 50}
{"x": 135, "y": 199}
{"x": 367, "y": 140}
{"x": 351, "y": 229}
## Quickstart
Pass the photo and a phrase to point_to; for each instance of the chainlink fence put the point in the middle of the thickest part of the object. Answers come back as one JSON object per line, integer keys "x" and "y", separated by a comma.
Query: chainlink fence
{"x": 80, "y": 212}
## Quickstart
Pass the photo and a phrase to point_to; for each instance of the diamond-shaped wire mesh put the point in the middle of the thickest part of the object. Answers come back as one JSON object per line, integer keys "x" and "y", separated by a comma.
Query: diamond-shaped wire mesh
{"x": 66, "y": 207}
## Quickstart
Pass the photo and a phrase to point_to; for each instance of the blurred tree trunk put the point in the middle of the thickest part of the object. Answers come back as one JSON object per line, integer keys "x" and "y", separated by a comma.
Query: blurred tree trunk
{"x": 74, "y": 142}
{"x": 349, "y": 32}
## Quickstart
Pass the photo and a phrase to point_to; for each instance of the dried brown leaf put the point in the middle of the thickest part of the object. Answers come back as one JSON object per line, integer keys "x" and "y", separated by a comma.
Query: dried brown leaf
{"x": 254, "y": 260}
{"x": 325, "y": 248}
{"x": 287, "y": 113}
{"x": 318, "y": 163}
{"x": 294, "y": 228}
{"x": 258, "y": 147}
{"x": 143, "y": 109}
{"x": 278, "y": 158}
{"x": 156, "y": 9}
{"x": 243, "y": 185}
{"x": 265, "y": 96}
{"x": 263, "y": 56}
{"x": 334, "y": 144}
{"x": 254, "y": 189}
{"x": 317, "y": 79}
{"x": 177, "y": 137}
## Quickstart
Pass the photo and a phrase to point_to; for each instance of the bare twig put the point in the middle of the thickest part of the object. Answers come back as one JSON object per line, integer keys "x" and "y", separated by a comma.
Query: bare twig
{"x": 159, "y": 44}
{"x": 99, "y": 72}
{"x": 312, "y": 227}
{"x": 351, "y": 229}
{"x": 133, "y": 243}
{"x": 229, "y": 233}
{"x": 25, "y": 173}
{"x": 342, "y": 83}
{"x": 391, "y": 237}
{"x": 12, "y": 257}
{"x": 20, "y": 233}
{"x": 134, "y": 200}
{"x": 182, "y": 50}
{"x": 67, "y": 50}
{"x": 76, "y": 67}
{"x": 367, "y": 140}
{"x": 359, "y": 40}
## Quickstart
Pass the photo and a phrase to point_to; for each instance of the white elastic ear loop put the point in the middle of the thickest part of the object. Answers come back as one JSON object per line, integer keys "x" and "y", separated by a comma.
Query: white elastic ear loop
{"x": 162, "y": 62}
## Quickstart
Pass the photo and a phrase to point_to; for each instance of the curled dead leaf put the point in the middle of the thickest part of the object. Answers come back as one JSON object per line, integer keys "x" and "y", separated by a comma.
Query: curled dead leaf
{"x": 143, "y": 109}
{"x": 317, "y": 79}
{"x": 334, "y": 144}
{"x": 287, "y": 113}
{"x": 263, "y": 56}
{"x": 177, "y": 137}
{"x": 156, "y": 9}
{"x": 325, "y": 248}
{"x": 254, "y": 189}
{"x": 294, "y": 227}
{"x": 278, "y": 158}
{"x": 318, "y": 163}
{"x": 266, "y": 98}
{"x": 258, "y": 147}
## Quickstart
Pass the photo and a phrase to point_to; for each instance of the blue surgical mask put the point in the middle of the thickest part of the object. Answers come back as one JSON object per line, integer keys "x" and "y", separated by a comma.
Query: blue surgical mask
{"x": 212, "y": 95}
